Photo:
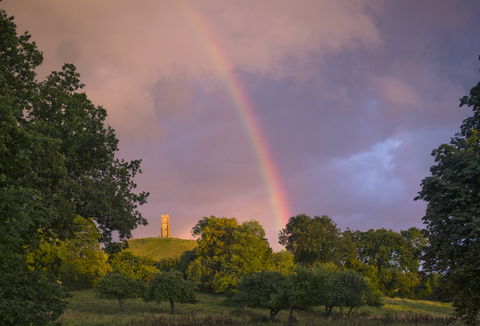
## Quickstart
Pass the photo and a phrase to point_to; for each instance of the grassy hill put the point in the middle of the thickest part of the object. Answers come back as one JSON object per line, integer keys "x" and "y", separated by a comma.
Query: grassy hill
{"x": 160, "y": 248}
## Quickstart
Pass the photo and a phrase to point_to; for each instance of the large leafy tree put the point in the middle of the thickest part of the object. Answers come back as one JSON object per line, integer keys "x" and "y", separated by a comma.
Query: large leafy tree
{"x": 312, "y": 240}
{"x": 452, "y": 217}
{"x": 227, "y": 251}
{"x": 57, "y": 161}
{"x": 391, "y": 260}
{"x": 101, "y": 185}
{"x": 27, "y": 294}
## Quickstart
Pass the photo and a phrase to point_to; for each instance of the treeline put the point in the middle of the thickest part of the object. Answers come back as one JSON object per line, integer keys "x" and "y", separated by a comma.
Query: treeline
{"x": 320, "y": 266}
{"x": 391, "y": 260}
{"x": 227, "y": 251}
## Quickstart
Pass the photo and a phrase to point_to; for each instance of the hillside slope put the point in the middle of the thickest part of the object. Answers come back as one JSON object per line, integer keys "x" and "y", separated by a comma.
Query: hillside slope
{"x": 160, "y": 248}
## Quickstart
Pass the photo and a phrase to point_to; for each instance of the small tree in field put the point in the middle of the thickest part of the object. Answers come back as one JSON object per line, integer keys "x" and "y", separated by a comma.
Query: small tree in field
{"x": 117, "y": 286}
{"x": 308, "y": 287}
{"x": 350, "y": 289}
{"x": 171, "y": 286}
{"x": 265, "y": 290}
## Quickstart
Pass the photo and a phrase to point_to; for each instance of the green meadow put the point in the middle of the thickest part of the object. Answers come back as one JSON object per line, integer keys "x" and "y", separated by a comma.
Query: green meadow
{"x": 212, "y": 309}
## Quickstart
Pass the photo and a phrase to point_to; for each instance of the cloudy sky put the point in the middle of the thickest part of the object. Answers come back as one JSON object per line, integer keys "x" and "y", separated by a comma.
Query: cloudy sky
{"x": 267, "y": 109}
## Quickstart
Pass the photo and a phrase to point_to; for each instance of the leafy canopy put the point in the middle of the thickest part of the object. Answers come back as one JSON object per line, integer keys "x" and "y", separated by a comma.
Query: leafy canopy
{"x": 171, "y": 286}
{"x": 117, "y": 286}
{"x": 83, "y": 262}
{"x": 264, "y": 290}
{"x": 227, "y": 251}
{"x": 312, "y": 240}
{"x": 134, "y": 266}
{"x": 57, "y": 162}
{"x": 452, "y": 217}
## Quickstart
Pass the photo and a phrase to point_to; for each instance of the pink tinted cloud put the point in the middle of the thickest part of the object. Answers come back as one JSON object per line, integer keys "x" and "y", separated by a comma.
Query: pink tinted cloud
{"x": 329, "y": 80}
{"x": 122, "y": 49}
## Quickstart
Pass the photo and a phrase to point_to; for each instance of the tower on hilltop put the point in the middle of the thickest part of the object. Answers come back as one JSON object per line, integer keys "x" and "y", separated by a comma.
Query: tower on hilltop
{"x": 165, "y": 226}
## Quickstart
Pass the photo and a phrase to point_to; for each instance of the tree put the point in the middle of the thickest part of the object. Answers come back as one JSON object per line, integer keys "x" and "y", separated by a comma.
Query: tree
{"x": 312, "y": 240}
{"x": 308, "y": 287}
{"x": 264, "y": 290}
{"x": 349, "y": 289}
{"x": 101, "y": 186}
{"x": 452, "y": 216}
{"x": 135, "y": 267}
{"x": 27, "y": 295}
{"x": 117, "y": 286}
{"x": 283, "y": 261}
{"x": 57, "y": 162}
{"x": 391, "y": 260}
{"x": 83, "y": 261}
{"x": 171, "y": 286}
{"x": 228, "y": 251}
{"x": 179, "y": 263}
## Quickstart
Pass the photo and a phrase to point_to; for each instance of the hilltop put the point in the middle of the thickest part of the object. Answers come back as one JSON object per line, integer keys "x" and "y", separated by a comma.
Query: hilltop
{"x": 160, "y": 248}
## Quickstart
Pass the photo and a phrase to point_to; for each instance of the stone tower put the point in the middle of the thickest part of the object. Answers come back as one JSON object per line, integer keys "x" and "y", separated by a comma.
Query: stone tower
{"x": 165, "y": 226}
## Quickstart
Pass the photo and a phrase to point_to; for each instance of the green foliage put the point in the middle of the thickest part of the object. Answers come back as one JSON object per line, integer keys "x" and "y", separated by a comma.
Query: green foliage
{"x": 308, "y": 287}
{"x": 350, "y": 289}
{"x": 171, "y": 286}
{"x": 312, "y": 241}
{"x": 135, "y": 267}
{"x": 28, "y": 162}
{"x": 264, "y": 290}
{"x": 227, "y": 251}
{"x": 389, "y": 259}
{"x": 57, "y": 162}
{"x": 101, "y": 185}
{"x": 28, "y": 297}
{"x": 427, "y": 290}
{"x": 452, "y": 216}
{"x": 117, "y": 286}
{"x": 179, "y": 263}
{"x": 283, "y": 261}
{"x": 83, "y": 262}
{"x": 84, "y": 309}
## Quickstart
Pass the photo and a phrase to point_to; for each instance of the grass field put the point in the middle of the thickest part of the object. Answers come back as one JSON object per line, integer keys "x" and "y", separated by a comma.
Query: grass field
{"x": 85, "y": 309}
{"x": 160, "y": 248}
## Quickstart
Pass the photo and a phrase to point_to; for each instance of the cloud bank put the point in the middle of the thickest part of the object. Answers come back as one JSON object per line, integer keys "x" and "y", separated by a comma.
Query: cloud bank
{"x": 351, "y": 95}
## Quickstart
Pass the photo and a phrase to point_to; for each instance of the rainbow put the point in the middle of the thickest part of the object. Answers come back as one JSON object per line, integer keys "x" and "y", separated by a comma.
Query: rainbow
{"x": 244, "y": 110}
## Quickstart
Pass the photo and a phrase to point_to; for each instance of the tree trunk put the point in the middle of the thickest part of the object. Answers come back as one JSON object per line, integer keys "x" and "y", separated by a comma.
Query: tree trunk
{"x": 341, "y": 311}
{"x": 290, "y": 317}
{"x": 329, "y": 310}
{"x": 121, "y": 305}
{"x": 273, "y": 313}
{"x": 350, "y": 312}
{"x": 172, "y": 307}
